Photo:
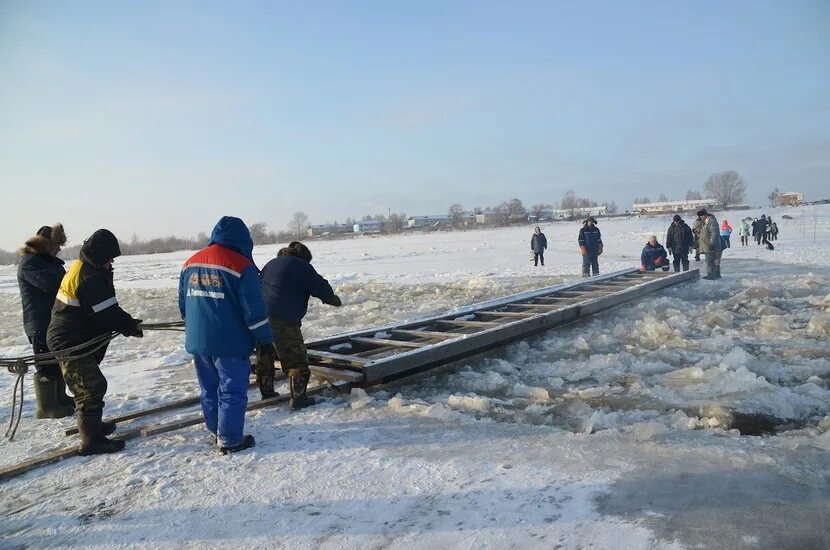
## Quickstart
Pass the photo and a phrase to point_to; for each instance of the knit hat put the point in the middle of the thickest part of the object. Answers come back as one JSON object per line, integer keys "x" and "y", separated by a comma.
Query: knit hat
{"x": 702, "y": 212}
{"x": 677, "y": 218}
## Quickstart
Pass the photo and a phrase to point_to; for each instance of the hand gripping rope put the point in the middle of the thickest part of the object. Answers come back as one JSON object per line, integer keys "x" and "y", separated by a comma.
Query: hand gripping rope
{"x": 20, "y": 365}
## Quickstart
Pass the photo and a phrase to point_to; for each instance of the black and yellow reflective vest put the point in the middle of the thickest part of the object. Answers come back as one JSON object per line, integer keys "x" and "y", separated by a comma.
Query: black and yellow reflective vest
{"x": 86, "y": 307}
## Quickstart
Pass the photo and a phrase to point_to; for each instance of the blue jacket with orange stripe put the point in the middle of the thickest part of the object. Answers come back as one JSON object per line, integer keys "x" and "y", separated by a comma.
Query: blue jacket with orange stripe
{"x": 220, "y": 297}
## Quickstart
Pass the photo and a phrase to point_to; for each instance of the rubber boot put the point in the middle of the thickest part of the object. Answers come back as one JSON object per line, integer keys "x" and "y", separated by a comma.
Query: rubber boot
{"x": 266, "y": 386}
{"x": 63, "y": 398}
{"x": 247, "y": 442}
{"x": 717, "y": 272}
{"x": 46, "y": 395}
{"x": 107, "y": 428}
{"x": 92, "y": 441}
{"x": 299, "y": 400}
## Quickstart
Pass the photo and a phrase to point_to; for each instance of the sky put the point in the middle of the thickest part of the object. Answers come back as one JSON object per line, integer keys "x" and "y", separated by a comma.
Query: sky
{"x": 158, "y": 118}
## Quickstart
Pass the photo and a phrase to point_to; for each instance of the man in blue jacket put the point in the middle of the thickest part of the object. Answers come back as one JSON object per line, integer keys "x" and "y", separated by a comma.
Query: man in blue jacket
{"x": 39, "y": 275}
{"x": 654, "y": 256}
{"x": 538, "y": 244}
{"x": 225, "y": 318}
{"x": 288, "y": 281}
{"x": 590, "y": 246}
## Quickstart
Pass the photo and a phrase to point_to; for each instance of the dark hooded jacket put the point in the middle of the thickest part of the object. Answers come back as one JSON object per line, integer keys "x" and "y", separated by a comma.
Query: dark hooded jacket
{"x": 288, "y": 281}
{"x": 538, "y": 243}
{"x": 86, "y": 305}
{"x": 679, "y": 238}
{"x": 39, "y": 275}
{"x": 653, "y": 257}
{"x": 590, "y": 239}
{"x": 219, "y": 295}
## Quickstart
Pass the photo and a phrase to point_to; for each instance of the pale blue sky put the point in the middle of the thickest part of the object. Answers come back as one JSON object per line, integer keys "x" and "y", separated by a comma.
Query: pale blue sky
{"x": 158, "y": 118}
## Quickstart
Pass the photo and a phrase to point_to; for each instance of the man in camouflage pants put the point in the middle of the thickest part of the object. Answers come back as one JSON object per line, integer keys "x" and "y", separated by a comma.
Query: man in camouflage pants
{"x": 288, "y": 281}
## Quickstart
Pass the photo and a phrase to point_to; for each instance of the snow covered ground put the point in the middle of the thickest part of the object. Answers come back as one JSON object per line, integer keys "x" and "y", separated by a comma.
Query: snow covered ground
{"x": 608, "y": 433}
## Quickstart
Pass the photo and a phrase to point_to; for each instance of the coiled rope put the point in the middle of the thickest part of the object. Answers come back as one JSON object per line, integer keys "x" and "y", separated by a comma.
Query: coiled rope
{"x": 19, "y": 366}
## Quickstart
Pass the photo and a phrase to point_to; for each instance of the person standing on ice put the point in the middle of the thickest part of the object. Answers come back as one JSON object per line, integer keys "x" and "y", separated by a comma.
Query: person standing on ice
{"x": 725, "y": 232}
{"x": 654, "y": 256}
{"x": 761, "y": 230}
{"x": 288, "y": 281}
{"x": 538, "y": 244}
{"x": 774, "y": 231}
{"x": 590, "y": 246}
{"x": 743, "y": 232}
{"x": 39, "y": 276}
{"x": 85, "y": 308}
{"x": 710, "y": 243}
{"x": 696, "y": 226}
{"x": 679, "y": 240}
{"x": 225, "y": 319}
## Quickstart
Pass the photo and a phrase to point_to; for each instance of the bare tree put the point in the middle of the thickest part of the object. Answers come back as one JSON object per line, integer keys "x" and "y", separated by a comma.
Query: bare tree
{"x": 693, "y": 195}
{"x": 663, "y": 198}
{"x": 259, "y": 232}
{"x": 501, "y": 214}
{"x": 477, "y": 210}
{"x": 516, "y": 210}
{"x": 298, "y": 225}
{"x": 569, "y": 201}
{"x": 456, "y": 213}
{"x": 725, "y": 187}
{"x": 610, "y": 207}
{"x": 394, "y": 223}
{"x": 537, "y": 210}
{"x": 773, "y": 195}
{"x": 644, "y": 200}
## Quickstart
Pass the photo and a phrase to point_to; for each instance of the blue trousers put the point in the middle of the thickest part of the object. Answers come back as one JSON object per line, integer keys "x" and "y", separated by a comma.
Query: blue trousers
{"x": 224, "y": 383}
{"x": 590, "y": 262}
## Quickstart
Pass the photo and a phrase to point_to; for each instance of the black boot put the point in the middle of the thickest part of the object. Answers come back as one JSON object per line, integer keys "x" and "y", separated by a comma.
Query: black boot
{"x": 92, "y": 440}
{"x": 266, "y": 386}
{"x": 299, "y": 400}
{"x": 46, "y": 395}
{"x": 107, "y": 428}
{"x": 247, "y": 442}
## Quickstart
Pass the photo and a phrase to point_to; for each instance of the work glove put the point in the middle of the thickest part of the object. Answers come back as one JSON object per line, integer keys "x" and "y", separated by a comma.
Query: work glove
{"x": 134, "y": 331}
{"x": 583, "y": 250}
{"x": 335, "y": 301}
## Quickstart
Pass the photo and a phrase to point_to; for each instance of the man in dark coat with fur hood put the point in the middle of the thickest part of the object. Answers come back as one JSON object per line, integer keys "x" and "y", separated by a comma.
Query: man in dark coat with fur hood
{"x": 39, "y": 275}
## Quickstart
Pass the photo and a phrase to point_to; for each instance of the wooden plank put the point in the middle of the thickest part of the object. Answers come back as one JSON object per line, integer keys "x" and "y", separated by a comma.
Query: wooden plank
{"x": 504, "y": 314}
{"x": 56, "y": 455}
{"x": 173, "y": 405}
{"x": 469, "y": 323}
{"x": 427, "y": 333}
{"x": 352, "y": 360}
{"x": 328, "y": 373}
{"x": 385, "y": 342}
{"x": 147, "y": 431}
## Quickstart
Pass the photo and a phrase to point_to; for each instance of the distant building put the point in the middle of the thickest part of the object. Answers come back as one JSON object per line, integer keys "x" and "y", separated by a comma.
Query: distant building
{"x": 673, "y": 207}
{"x": 329, "y": 229}
{"x": 368, "y": 226}
{"x": 789, "y": 199}
{"x": 417, "y": 222}
{"x": 582, "y": 212}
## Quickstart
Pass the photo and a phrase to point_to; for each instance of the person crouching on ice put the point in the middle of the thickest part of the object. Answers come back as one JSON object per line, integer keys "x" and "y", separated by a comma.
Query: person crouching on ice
{"x": 85, "y": 308}
{"x": 225, "y": 319}
{"x": 654, "y": 256}
{"x": 288, "y": 281}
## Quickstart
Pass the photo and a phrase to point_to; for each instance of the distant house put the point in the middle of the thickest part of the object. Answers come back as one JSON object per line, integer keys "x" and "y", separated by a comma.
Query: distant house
{"x": 673, "y": 207}
{"x": 789, "y": 199}
{"x": 368, "y": 226}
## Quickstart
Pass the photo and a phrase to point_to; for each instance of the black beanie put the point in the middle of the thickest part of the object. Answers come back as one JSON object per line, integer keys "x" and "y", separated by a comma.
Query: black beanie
{"x": 677, "y": 218}
{"x": 45, "y": 231}
{"x": 702, "y": 212}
